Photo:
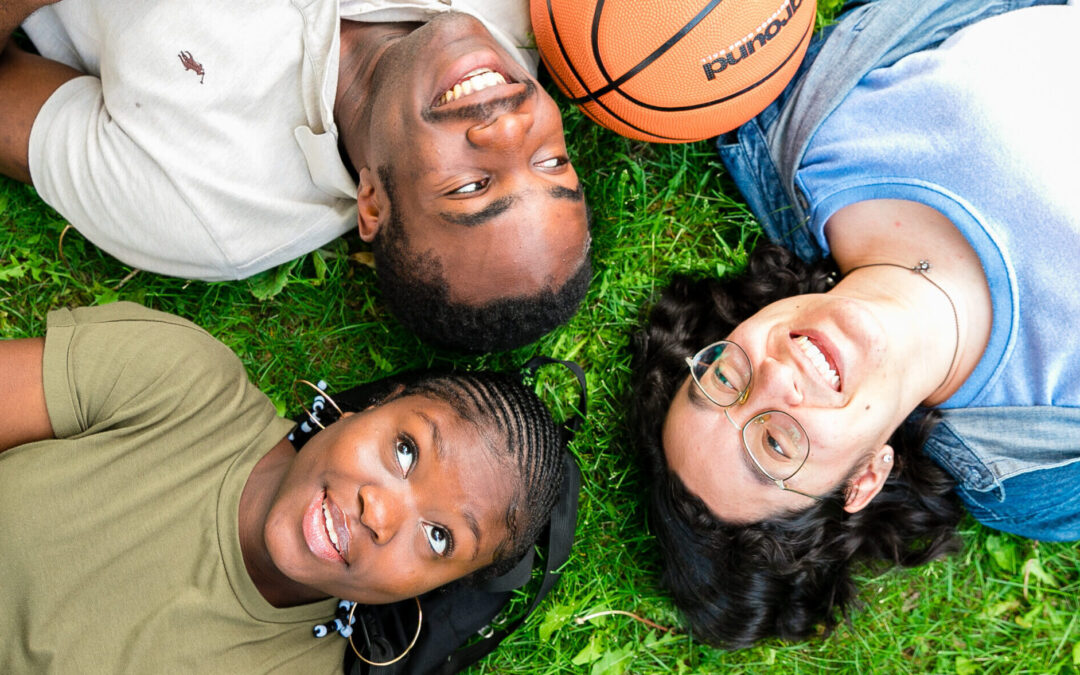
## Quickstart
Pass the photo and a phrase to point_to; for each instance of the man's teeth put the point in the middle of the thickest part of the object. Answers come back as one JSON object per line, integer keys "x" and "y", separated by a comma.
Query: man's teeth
{"x": 819, "y": 360}
{"x": 475, "y": 81}
{"x": 330, "y": 526}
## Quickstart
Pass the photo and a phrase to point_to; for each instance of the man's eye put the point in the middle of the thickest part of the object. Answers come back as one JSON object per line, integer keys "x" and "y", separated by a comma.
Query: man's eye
{"x": 405, "y": 451}
{"x": 474, "y": 186}
{"x": 438, "y": 539}
{"x": 553, "y": 163}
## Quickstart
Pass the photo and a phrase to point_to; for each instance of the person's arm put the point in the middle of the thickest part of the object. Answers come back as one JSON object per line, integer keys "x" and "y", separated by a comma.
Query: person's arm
{"x": 26, "y": 82}
{"x": 13, "y": 13}
{"x": 23, "y": 415}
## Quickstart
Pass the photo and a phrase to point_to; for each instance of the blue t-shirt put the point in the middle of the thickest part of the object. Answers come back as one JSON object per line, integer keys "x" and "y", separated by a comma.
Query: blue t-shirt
{"x": 983, "y": 130}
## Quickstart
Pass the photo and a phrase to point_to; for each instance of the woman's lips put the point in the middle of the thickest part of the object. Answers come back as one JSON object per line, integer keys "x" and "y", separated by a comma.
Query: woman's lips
{"x": 316, "y": 536}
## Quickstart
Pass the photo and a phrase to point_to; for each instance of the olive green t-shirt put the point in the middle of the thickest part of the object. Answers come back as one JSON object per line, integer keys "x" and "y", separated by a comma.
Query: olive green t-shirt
{"x": 119, "y": 545}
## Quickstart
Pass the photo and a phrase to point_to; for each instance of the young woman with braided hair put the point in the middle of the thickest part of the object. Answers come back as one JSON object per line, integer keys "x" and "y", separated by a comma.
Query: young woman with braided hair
{"x": 797, "y": 423}
{"x": 157, "y": 518}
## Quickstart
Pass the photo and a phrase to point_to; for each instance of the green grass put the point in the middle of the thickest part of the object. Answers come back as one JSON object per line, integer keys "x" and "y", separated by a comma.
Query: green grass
{"x": 1003, "y": 605}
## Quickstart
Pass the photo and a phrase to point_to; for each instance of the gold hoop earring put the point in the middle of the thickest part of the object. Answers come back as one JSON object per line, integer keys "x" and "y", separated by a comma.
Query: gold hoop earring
{"x": 312, "y": 416}
{"x": 419, "y": 621}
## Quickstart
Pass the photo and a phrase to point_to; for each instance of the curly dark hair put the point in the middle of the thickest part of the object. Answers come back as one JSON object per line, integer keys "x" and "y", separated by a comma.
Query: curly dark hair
{"x": 414, "y": 287}
{"x": 520, "y": 430}
{"x": 783, "y": 577}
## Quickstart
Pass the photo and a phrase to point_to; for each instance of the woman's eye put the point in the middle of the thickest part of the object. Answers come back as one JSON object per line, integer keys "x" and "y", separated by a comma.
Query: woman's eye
{"x": 723, "y": 380}
{"x": 438, "y": 539}
{"x": 774, "y": 445}
{"x": 474, "y": 186}
{"x": 405, "y": 450}
{"x": 553, "y": 163}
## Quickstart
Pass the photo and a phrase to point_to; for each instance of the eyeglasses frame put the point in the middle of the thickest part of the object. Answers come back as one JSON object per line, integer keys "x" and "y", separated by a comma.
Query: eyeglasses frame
{"x": 739, "y": 400}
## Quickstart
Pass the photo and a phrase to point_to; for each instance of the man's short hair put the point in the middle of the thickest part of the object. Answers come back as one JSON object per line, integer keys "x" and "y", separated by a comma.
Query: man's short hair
{"x": 414, "y": 287}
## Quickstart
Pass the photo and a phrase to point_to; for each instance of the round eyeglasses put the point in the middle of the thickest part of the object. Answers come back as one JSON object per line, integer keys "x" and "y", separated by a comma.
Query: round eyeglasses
{"x": 775, "y": 441}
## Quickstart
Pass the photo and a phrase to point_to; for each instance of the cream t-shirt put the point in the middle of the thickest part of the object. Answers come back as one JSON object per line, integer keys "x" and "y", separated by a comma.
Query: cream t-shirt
{"x": 202, "y": 143}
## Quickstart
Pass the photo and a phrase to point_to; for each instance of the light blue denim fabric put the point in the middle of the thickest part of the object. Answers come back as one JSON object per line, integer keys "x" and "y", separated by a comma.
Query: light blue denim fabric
{"x": 764, "y": 154}
{"x": 1028, "y": 454}
{"x": 1042, "y": 478}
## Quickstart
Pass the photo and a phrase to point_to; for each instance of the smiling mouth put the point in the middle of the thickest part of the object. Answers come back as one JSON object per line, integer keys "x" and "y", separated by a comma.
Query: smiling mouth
{"x": 474, "y": 81}
{"x": 821, "y": 363}
{"x": 336, "y": 527}
{"x": 328, "y": 523}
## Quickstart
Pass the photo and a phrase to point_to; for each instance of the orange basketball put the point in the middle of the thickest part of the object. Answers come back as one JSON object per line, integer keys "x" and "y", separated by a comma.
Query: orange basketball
{"x": 672, "y": 71}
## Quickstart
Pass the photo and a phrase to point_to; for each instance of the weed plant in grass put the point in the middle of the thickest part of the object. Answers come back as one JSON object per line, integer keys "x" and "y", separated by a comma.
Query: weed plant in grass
{"x": 1003, "y": 605}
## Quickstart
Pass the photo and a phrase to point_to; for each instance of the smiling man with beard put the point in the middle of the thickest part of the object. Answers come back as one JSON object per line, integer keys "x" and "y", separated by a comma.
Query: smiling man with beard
{"x": 217, "y": 141}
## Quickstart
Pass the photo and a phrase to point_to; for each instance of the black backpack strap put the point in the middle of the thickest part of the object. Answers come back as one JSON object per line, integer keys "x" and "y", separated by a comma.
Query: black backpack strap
{"x": 560, "y": 540}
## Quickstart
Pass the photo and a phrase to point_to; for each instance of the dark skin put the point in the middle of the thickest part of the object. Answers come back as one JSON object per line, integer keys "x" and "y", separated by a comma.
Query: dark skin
{"x": 22, "y": 393}
{"x": 362, "y": 44}
{"x": 33, "y": 78}
{"x": 482, "y": 182}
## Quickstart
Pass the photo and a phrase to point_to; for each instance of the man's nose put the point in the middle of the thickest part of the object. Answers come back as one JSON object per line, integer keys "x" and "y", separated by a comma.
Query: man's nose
{"x": 504, "y": 132}
{"x": 381, "y": 512}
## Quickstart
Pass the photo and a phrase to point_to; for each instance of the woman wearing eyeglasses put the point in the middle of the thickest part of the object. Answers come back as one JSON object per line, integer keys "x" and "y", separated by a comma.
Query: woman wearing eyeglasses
{"x": 804, "y": 417}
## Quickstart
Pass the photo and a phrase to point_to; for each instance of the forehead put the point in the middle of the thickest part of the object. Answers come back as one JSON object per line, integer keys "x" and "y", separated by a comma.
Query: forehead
{"x": 535, "y": 243}
{"x": 463, "y": 470}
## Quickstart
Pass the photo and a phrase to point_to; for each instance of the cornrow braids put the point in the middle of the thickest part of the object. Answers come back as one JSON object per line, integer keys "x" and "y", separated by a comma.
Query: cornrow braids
{"x": 518, "y": 427}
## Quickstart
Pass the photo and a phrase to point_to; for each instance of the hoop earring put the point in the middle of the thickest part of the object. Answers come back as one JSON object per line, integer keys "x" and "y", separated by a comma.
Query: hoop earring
{"x": 312, "y": 416}
{"x": 419, "y": 621}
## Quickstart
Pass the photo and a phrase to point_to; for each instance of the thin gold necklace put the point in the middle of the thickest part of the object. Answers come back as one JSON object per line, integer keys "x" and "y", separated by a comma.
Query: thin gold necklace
{"x": 921, "y": 269}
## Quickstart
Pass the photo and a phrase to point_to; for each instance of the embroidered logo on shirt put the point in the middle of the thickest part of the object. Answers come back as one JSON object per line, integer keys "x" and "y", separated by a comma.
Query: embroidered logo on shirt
{"x": 191, "y": 64}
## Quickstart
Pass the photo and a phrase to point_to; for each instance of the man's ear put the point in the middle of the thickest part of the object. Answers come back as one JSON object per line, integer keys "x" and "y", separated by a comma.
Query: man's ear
{"x": 870, "y": 479}
{"x": 369, "y": 205}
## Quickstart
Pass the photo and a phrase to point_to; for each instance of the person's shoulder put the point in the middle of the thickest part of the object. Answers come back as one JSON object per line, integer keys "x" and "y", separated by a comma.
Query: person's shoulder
{"x": 146, "y": 334}
{"x": 123, "y": 311}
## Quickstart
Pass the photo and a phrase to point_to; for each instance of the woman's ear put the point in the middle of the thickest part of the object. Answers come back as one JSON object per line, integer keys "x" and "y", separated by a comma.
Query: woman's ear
{"x": 369, "y": 205}
{"x": 869, "y": 480}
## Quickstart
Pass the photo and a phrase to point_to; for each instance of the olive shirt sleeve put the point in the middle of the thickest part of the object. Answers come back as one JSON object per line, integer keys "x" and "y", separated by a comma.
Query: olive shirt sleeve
{"x": 126, "y": 527}
{"x": 123, "y": 366}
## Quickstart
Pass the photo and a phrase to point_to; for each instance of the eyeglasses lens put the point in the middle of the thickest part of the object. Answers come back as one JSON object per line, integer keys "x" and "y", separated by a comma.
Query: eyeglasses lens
{"x": 777, "y": 443}
{"x": 723, "y": 371}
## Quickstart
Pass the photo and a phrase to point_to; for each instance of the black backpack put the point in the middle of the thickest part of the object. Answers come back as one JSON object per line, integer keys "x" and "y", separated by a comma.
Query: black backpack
{"x": 461, "y": 624}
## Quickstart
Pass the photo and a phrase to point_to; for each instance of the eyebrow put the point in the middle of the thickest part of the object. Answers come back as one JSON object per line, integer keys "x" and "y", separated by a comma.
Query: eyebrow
{"x": 470, "y": 520}
{"x": 697, "y": 399}
{"x": 466, "y": 513}
{"x": 492, "y": 210}
{"x": 436, "y": 434}
{"x": 560, "y": 192}
{"x": 503, "y": 204}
